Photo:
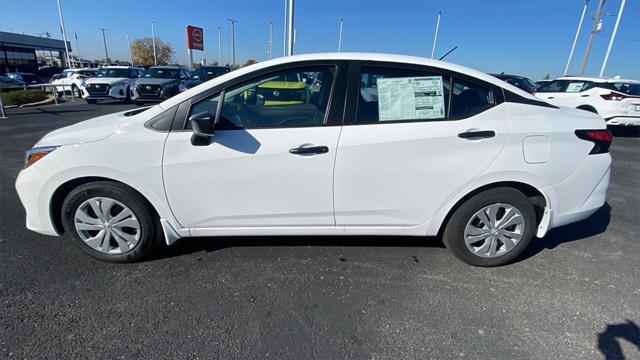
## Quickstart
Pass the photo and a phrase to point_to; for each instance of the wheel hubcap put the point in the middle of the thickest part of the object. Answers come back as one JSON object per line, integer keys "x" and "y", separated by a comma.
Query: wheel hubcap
{"x": 494, "y": 230}
{"x": 107, "y": 225}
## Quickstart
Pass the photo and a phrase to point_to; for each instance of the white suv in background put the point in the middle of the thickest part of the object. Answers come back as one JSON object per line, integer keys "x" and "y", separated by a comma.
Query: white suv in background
{"x": 112, "y": 83}
{"x": 616, "y": 100}
{"x": 73, "y": 79}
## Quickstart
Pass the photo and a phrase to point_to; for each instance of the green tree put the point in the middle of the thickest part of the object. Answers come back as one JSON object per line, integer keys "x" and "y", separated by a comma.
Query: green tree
{"x": 142, "y": 51}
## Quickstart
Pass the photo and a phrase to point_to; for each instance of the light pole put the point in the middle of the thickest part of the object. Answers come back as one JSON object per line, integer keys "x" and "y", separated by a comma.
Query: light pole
{"x": 613, "y": 36}
{"x": 340, "y": 36}
{"x": 290, "y": 29}
{"x": 575, "y": 39}
{"x": 104, "y": 40}
{"x": 130, "y": 54}
{"x": 78, "y": 48}
{"x": 233, "y": 41}
{"x": 64, "y": 34}
{"x": 435, "y": 36}
{"x": 270, "y": 38}
{"x": 284, "y": 32}
{"x": 594, "y": 28}
{"x": 153, "y": 39}
{"x": 219, "y": 46}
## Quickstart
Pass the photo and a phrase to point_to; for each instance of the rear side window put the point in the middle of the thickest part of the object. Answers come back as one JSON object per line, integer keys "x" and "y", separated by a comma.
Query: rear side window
{"x": 625, "y": 88}
{"x": 554, "y": 86}
{"x": 388, "y": 94}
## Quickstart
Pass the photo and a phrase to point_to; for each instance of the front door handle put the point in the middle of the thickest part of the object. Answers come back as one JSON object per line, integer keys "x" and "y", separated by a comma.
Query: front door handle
{"x": 584, "y": 95}
{"x": 549, "y": 97}
{"x": 309, "y": 150}
{"x": 477, "y": 134}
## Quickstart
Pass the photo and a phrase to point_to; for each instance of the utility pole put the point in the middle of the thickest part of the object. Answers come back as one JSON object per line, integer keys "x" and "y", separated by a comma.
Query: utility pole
{"x": 290, "y": 29}
{"x": 219, "y": 46}
{"x": 153, "y": 37}
{"x": 284, "y": 32}
{"x": 64, "y": 34}
{"x": 435, "y": 36}
{"x": 130, "y": 54}
{"x": 613, "y": 36}
{"x": 575, "y": 39}
{"x": 340, "y": 35}
{"x": 594, "y": 28}
{"x": 233, "y": 41}
{"x": 104, "y": 40}
{"x": 270, "y": 39}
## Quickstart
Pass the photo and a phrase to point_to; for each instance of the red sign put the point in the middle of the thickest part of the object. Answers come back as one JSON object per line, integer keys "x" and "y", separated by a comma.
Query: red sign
{"x": 195, "y": 38}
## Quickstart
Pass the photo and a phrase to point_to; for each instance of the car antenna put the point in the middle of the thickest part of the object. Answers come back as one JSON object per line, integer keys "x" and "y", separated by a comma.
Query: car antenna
{"x": 448, "y": 52}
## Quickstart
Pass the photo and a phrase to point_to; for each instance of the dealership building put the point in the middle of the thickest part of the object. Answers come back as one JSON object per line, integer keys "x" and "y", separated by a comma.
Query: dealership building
{"x": 18, "y": 51}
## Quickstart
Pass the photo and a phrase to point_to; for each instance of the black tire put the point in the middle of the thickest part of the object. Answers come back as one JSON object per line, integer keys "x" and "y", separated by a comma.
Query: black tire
{"x": 454, "y": 232}
{"x": 75, "y": 91}
{"x": 127, "y": 99}
{"x": 150, "y": 231}
{"x": 90, "y": 101}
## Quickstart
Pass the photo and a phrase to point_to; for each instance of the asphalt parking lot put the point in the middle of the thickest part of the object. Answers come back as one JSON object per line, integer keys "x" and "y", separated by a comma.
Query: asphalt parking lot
{"x": 574, "y": 295}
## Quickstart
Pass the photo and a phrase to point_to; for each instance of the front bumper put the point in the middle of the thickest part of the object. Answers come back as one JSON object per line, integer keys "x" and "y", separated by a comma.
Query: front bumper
{"x": 31, "y": 187}
{"x": 115, "y": 92}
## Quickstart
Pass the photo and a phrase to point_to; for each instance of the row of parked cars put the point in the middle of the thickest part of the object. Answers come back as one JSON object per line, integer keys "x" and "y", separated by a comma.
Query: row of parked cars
{"x": 616, "y": 100}
{"x": 132, "y": 83}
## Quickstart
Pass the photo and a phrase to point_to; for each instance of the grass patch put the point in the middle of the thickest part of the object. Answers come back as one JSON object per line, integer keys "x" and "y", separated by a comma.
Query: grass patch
{"x": 21, "y": 97}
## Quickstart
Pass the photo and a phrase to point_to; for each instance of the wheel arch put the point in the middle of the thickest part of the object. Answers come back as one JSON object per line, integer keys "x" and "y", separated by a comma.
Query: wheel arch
{"x": 60, "y": 194}
{"x": 587, "y": 108}
{"x": 536, "y": 197}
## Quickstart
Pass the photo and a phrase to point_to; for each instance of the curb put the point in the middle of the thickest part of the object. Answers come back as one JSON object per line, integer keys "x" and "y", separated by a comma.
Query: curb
{"x": 49, "y": 100}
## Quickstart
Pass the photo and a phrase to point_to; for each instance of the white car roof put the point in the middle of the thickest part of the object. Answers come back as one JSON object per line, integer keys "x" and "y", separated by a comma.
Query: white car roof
{"x": 598, "y": 79}
{"x": 403, "y": 59}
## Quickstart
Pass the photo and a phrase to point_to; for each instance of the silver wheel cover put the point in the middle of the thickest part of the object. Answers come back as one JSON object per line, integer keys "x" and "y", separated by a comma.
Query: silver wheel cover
{"x": 494, "y": 230}
{"x": 106, "y": 225}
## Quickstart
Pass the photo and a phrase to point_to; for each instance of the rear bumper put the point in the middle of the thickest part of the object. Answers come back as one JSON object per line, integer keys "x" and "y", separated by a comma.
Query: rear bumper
{"x": 583, "y": 193}
{"x": 625, "y": 120}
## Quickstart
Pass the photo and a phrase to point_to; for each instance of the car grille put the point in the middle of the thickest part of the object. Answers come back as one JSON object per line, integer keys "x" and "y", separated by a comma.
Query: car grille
{"x": 146, "y": 90}
{"x": 98, "y": 89}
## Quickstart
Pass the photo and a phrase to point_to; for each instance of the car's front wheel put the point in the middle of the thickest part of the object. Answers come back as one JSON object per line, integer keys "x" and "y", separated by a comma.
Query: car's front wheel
{"x": 110, "y": 221}
{"x": 491, "y": 228}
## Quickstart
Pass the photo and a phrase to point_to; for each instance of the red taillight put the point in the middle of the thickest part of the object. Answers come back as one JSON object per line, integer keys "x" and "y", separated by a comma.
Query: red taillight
{"x": 615, "y": 96}
{"x": 601, "y": 139}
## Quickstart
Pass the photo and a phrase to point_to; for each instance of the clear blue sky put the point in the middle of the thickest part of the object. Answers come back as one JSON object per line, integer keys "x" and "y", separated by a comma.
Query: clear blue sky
{"x": 529, "y": 37}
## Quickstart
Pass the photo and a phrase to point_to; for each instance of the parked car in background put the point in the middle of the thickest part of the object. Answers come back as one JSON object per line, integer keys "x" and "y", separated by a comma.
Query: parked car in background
{"x": 442, "y": 149}
{"x": 521, "y": 82}
{"x": 202, "y": 74}
{"x": 111, "y": 83}
{"x": 539, "y": 83}
{"x": 159, "y": 83}
{"x": 73, "y": 79}
{"x": 27, "y": 78}
{"x": 6, "y": 81}
{"x": 616, "y": 100}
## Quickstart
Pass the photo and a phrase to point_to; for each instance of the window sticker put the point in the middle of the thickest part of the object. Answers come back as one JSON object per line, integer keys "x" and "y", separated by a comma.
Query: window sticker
{"x": 575, "y": 87}
{"x": 409, "y": 98}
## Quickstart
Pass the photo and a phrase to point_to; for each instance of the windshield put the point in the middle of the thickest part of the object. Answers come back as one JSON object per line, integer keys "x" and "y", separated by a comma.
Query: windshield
{"x": 162, "y": 73}
{"x": 626, "y": 88}
{"x": 113, "y": 73}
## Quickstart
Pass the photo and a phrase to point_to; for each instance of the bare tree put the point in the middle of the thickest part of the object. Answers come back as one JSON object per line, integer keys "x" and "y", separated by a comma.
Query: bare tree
{"x": 142, "y": 51}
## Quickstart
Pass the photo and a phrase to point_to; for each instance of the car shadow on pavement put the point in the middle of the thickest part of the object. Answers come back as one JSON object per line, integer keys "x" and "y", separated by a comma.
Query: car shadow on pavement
{"x": 593, "y": 225}
{"x": 609, "y": 339}
{"x": 209, "y": 244}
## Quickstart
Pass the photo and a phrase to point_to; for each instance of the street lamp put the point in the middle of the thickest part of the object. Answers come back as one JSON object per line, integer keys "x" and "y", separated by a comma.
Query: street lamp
{"x": 153, "y": 39}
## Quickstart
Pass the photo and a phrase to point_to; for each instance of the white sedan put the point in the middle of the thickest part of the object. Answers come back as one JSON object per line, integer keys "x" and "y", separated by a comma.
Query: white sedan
{"x": 440, "y": 149}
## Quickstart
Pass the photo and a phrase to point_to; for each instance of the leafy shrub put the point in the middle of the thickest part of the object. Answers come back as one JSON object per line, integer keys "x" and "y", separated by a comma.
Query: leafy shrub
{"x": 21, "y": 97}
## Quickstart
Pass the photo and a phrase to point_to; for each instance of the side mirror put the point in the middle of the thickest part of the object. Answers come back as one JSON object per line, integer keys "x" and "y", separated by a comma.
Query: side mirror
{"x": 202, "y": 125}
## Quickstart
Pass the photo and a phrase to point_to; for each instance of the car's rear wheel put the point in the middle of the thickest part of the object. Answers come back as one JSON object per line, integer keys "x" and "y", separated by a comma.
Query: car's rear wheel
{"x": 110, "y": 222}
{"x": 491, "y": 228}
{"x": 76, "y": 91}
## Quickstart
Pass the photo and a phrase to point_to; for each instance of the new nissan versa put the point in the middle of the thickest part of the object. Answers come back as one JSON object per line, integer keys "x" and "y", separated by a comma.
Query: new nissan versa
{"x": 440, "y": 149}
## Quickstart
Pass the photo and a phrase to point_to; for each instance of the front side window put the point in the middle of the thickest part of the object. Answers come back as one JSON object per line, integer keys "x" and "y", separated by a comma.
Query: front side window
{"x": 280, "y": 99}
{"x": 388, "y": 94}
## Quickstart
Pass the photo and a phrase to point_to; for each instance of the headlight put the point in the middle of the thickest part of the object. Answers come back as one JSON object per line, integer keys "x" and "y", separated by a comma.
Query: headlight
{"x": 36, "y": 154}
{"x": 182, "y": 87}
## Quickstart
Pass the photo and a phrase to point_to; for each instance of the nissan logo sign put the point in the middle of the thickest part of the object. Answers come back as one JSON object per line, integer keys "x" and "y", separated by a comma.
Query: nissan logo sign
{"x": 148, "y": 87}
{"x": 276, "y": 93}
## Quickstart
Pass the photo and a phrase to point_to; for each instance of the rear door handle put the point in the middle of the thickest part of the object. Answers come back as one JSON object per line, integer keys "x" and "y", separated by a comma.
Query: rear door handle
{"x": 549, "y": 97}
{"x": 309, "y": 150}
{"x": 584, "y": 95}
{"x": 477, "y": 134}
